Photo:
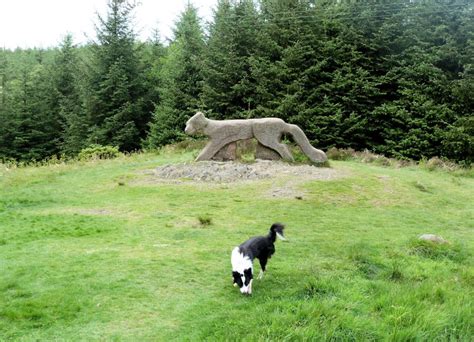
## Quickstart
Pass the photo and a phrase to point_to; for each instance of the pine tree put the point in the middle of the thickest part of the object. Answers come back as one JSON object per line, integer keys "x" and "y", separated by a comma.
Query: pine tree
{"x": 458, "y": 138}
{"x": 152, "y": 57}
{"x": 37, "y": 126}
{"x": 181, "y": 81}
{"x": 423, "y": 58}
{"x": 116, "y": 107}
{"x": 229, "y": 89}
{"x": 70, "y": 104}
{"x": 6, "y": 126}
{"x": 293, "y": 69}
{"x": 3, "y": 78}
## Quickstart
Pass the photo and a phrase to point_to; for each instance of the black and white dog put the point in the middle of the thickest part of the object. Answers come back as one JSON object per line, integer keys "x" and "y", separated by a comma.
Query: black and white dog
{"x": 260, "y": 247}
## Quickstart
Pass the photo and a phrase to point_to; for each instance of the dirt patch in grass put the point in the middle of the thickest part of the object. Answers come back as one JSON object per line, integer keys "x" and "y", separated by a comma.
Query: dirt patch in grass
{"x": 95, "y": 212}
{"x": 286, "y": 177}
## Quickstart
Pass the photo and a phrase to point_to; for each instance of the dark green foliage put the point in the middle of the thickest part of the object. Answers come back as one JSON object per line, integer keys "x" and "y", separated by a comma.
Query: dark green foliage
{"x": 6, "y": 120}
{"x": 229, "y": 87}
{"x": 70, "y": 102}
{"x": 395, "y": 78}
{"x": 180, "y": 81}
{"x": 30, "y": 129}
{"x": 116, "y": 106}
{"x": 152, "y": 55}
{"x": 425, "y": 56}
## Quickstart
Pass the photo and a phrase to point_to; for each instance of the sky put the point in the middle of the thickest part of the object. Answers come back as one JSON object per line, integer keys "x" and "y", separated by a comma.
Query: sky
{"x": 44, "y": 23}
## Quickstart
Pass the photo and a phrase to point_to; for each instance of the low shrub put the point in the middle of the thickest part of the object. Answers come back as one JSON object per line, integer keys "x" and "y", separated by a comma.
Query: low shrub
{"x": 436, "y": 163}
{"x": 340, "y": 153}
{"x": 205, "y": 220}
{"x": 99, "y": 152}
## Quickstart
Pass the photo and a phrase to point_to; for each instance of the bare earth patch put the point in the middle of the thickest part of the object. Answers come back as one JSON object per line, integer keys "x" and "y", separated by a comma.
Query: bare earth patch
{"x": 285, "y": 177}
{"x": 95, "y": 212}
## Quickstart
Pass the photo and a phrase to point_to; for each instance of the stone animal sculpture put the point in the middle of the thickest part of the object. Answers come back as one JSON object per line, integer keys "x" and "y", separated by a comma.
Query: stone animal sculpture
{"x": 268, "y": 132}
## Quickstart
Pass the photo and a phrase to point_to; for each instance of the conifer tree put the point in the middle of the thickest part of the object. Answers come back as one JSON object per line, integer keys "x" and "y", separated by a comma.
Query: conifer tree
{"x": 6, "y": 126}
{"x": 36, "y": 125}
{"x": 70, "y": 104}
{"x": 229, "y": 89}
{"x": 152, "y": 57}
{"x": 116, "y": 112}
{"x": 423, "y": 47}
{"x": 3, "y": 77}
{"x": 181, "y": 80}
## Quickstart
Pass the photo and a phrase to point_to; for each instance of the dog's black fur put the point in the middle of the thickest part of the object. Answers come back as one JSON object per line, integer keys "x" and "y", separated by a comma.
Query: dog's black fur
{"x": 260, "y": 247}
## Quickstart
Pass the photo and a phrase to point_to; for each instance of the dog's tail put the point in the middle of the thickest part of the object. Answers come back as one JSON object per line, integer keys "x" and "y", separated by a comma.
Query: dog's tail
{"x": 276, "y": 230}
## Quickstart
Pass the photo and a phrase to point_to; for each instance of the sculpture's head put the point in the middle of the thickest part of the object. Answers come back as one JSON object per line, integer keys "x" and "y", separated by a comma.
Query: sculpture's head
{"x": 195, "y": 124}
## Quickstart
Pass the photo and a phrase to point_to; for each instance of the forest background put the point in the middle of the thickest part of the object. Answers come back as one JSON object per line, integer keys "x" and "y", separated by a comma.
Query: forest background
{"x": 393, "y": 77}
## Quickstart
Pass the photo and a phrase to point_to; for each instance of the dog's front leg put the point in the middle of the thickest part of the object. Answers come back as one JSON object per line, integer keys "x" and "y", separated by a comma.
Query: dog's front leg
{"x": 260, "y": 275}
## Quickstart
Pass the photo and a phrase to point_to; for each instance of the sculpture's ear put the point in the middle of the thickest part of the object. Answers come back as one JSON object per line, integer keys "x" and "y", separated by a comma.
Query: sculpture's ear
{"x": 199, "y": 115}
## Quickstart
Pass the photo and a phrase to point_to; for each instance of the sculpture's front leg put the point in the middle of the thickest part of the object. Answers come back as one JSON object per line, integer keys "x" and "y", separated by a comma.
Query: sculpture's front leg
{"x": 213, "y": 147}
{"x": 208, "y": 151}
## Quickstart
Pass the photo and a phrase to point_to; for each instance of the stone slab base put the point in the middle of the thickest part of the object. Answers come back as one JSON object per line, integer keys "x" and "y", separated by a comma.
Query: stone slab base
{"x": 228, "y": 152}
{"x": 263, "y": 152}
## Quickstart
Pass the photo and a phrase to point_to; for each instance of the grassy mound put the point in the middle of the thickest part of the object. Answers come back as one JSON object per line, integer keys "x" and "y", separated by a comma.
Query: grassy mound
{"x": 91, "y": 251}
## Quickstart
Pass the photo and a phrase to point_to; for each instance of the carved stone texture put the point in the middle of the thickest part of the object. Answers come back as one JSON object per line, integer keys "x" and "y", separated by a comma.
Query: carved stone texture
{"x": 228, "y": 152}
{"x": 266, "y": 131}
{"x": 263, "y": 152}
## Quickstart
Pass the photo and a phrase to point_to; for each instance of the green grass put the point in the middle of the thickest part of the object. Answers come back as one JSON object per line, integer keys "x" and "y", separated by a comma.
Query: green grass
{"x": 95, "y": 251}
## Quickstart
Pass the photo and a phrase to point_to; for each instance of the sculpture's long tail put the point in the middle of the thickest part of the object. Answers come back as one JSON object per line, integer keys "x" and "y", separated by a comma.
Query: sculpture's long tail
{"x": 315, "y": 155}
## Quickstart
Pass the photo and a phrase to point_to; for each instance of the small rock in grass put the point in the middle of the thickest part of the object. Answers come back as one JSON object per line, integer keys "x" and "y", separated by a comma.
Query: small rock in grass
{"x": 432, "y": 238}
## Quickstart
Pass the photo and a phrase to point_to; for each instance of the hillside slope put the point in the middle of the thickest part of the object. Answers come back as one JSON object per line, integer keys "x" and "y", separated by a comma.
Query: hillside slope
{"x": 102, "y": 250}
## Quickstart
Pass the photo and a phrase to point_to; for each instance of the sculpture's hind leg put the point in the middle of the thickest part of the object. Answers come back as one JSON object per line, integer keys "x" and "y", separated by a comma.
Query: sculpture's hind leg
{"x": 273, "y": 141}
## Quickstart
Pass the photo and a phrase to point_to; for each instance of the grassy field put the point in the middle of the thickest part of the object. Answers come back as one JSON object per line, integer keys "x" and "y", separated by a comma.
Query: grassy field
{"x": 94, "y": 251}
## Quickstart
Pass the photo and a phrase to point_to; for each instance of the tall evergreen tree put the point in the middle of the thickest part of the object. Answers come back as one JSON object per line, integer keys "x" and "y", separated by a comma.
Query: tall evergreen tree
{"x": 70, "y": 102}
{"x": 396, "y": 78}
{"x": 37, "y": 128}
{"x": 6, "y": 126}
{"x": 152, "y": 57}
{"x": 3, "y": 77}
{"x": 229, "y": 89}
{"x": 181, "y": 80}
{"x": 458, "y": 138}
{"x": 422, "y": 60}
{"x": 115, "y": 108}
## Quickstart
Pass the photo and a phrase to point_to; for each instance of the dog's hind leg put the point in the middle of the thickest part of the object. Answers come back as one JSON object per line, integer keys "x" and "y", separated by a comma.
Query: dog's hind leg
{"x": 263, "y": 265}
